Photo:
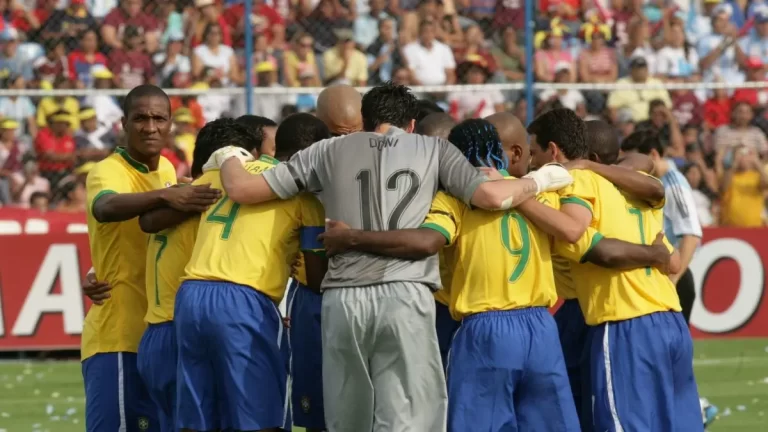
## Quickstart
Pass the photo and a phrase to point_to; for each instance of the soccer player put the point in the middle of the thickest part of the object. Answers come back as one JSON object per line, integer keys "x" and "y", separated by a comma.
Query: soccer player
{"x": 168, "y": 253}
{"x": 378, "y": 331}
{"x": 506, "y": 327}
{"x": 304, "y": 304}
{"x": 338, "y": 106}
{"x": 639, "y": 348}
{"x": 681, "y": 219}
{"x": 231, "y": 373}
{"x": 436, "y": 124}
{"x": 266, "y": 128}
{"x": 131, "y": 181}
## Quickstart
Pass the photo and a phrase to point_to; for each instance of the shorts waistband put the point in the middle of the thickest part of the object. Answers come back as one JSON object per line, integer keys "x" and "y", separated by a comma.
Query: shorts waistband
{"x": 162, "y": 324}
{"x": 504, "y": 313}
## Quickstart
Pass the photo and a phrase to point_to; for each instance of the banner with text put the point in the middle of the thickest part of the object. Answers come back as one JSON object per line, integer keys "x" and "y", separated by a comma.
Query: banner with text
{"x": 44, "y": 257}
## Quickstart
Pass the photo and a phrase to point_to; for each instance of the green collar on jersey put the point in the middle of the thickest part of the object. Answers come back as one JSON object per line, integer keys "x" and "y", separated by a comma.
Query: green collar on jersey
{"x": 268, "y": 159}
{"x": 138, "y": 166}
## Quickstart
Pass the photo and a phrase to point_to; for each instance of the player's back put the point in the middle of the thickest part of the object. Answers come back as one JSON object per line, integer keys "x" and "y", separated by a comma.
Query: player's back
{"x": 380, "y": 182}
{"x": 501, "y": 260}
{"x": 118, "y": 252}
{"x": 607, "y": 294}
{"x": 251, "y": 245}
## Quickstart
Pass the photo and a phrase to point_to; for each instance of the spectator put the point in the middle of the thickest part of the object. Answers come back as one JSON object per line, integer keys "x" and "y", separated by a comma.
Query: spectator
{"x": 344, "y": 63}
{"x": 367, "y": 26}
{"x": 82, "y": 61}
{"x": 693, "y": 174}
{"x": 55, "y": 147}
{"x": 685, "y": 105}
{"x": 638, "y": 37}
{"x": 26, "y": 183}
{"x": 323, "y": 21}
{"x": 11, "y": 153}
{"x": 27, "y": 19}
{"x": 550, "y": 54}
{"x": 664, "y": 124}
{"x": 476, "y": 104}
{"x": 264, "y": 20}
{"x": 170, "y": 22}
{"x": 301, "y": 61}
{"x": 12, "y": 62}
{"x": 66, "y": 25}
{"x": 754, "y": 46}
{"x": 108, "y": 111}
{"x": 93, "y": 141}
{"x": 743, "y": 184}
{"x": 709, "y": 184}
{"x": 129, "y": 14}
{"x": 172, "y": 60}
{"x": 402, "y": 76}
{"x": 569, "y": 98}
{"x": 53, "y": 63}
{"x": 262, "y": 52}
{"x": 190, "y": 106}
{"x": 306, "y": 102}
{"x": 215, "y": 55}
{"x": 269, "y": 106}
{"x": 625, "y": 123}
{"x": 475, "y": 45}
{"x": 50, "y": 105}
{"x": 431, "y": 61}
{"x": 740, "y": 132}
{"x": 131, "y": 63}
{"x": 384, "y": 54}
{"x": 677, "y": 58}
{"x": 510, "y": 14}
{"x": 756, "y": 97}
{"x": 209, "y": 13}
{"x": 213, "y": 105}
{"x": 18, "y": 108}
{"x": 637, "y": 100}
{"x": 449, "y": 29}
{"x": 717, "y": 109}
{"x": 700, "y": 23}
{"x": 39, "y": 201}
{"x": 509, "y": 56}
{"x": 185, "y": 134}
{"x": 718, "y": 50}
{"x": 597, "y": 63}
{"x": 74, "y": 196}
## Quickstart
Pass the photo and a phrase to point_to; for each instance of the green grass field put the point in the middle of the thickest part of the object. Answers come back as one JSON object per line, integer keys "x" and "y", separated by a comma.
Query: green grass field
{"x": 732, "y": 374}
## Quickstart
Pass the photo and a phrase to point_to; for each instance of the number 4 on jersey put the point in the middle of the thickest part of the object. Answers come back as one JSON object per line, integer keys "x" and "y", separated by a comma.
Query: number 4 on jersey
{"x": 219, "y": 215}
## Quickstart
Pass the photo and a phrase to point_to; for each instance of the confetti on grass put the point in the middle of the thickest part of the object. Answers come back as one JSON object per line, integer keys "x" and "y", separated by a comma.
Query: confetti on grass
{"x": 49, "y": 409}
{"x": 55, "y": 395}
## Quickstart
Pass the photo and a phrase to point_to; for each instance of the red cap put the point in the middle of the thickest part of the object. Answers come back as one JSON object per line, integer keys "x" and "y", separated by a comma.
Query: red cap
{"x": 754, "y": 63}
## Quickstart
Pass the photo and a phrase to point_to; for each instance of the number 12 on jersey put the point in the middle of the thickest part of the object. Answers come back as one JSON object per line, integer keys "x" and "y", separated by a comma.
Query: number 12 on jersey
{"x": 413, "y": 183}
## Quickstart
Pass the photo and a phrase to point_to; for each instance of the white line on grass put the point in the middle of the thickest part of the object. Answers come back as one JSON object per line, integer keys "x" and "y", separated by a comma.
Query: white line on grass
{"x": 727, "y": 361}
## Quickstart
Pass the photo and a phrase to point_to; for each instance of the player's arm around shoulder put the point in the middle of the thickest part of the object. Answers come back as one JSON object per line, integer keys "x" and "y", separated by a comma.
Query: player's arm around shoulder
{"x": 621, "y": 255}
{"x": 544, "y": 213}
{"x": 165, "y": 217}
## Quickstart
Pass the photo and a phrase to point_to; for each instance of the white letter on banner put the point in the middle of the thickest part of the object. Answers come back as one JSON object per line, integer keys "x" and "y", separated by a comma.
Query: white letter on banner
{"x": 2, "y": 318}
{"x": 60, "y": 262}
{"x": 750, "y": 289}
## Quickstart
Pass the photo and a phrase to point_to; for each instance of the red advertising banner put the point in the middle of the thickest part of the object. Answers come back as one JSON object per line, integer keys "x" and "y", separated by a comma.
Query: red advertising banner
{"x": 44, "y": 257}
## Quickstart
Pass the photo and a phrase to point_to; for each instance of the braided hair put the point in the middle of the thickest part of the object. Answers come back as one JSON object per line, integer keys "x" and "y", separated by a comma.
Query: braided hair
{"x": 479, "y": 141}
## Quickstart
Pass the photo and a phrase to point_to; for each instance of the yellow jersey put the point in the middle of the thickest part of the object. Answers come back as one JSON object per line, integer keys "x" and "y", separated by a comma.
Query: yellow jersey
{"x": 168, "y": 253}
{"x": 252, "y": 245}
{"x": 501, "y": 260}
{"x": 447, "y": 259}
{"x": 612, "y": 295}
{"x": 118, "y": 252}
{"x": 743, "y": 201}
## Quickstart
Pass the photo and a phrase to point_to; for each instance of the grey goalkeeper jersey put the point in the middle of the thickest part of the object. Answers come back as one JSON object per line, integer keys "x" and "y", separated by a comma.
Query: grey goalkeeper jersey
{"x": 377, "y": 182}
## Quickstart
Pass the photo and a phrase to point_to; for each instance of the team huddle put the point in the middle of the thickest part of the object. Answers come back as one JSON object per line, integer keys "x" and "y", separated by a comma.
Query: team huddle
{"x": 422, "y": 258}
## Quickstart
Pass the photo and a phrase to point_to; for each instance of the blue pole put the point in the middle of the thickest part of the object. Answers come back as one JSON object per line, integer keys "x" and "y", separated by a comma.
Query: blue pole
{"x": 530, "y": 22}
{"x": 248, "y": 58}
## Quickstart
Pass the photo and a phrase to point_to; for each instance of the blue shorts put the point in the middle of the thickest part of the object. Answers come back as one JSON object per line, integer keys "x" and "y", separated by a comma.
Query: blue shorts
{"x": 304, "y": 307}
{"x": 574, "y": 333}
{"x": 157, "y": 367}
{"x": 642, "y": 375}
{"x": 506, "y": 372}
{"x": 446, "y": 327}
{"x": 230, "y": 372}
{"x": 115, "y": 396}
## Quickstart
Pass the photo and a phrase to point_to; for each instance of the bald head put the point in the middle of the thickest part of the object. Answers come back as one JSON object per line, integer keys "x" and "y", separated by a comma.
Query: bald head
{"x": 514, "y": 140}
{"x": 436, "y": 125}
{"x": 339, "y": 107}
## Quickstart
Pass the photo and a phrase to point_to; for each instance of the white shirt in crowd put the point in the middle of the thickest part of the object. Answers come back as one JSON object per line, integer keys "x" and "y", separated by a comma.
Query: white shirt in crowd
{"x": 219, "y": 61}
{"x": 214, "y": 105}
{"x": 180, "y": 64}
{"x": 571, "y": 99}
{"x": 429, "y": 65}
{"x": 478, "y": 104}
{"x": 703, "y": 208}
{"x": 649, "y": 54}
{"x": 674, "y": 61}
{"x": 108, "y": 112}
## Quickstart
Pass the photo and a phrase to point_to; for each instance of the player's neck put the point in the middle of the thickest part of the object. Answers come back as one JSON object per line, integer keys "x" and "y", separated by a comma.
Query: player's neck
{"x": 150, "y": 161}
{"x": 383, "y": 128}
{"x": 661, "y": 167}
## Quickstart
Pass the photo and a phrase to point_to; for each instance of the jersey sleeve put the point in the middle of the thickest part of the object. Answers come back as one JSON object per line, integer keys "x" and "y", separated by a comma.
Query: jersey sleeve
{"x": 299, "y": 174}
{"x": 445, "y": 216}
{"x": 105, "y": 178}
{"x": 549, "y": 199}
{"x": 167, "y": 173}
{"x": 681, "y": 210}
{"x": 456, "y": 174}
{"x": 582, "y": 192}
{"x": 577, "y": 251}
{"x": 312, "y": 223}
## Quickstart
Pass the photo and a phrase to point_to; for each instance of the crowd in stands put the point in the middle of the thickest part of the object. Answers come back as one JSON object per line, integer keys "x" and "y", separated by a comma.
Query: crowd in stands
{"x": 718, "y": 138}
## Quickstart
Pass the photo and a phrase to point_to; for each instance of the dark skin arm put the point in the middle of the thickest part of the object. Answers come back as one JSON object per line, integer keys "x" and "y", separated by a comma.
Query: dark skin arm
{"x": 162, "y": 218}
{"x": 628, "y": 180}
{"x": 411, "y": 244}
{"x": 617, "y": 254}
{"x": 122, "y": 207}
{"x": 316, "y": 265}
{"x": 95, "y": 290}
